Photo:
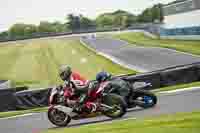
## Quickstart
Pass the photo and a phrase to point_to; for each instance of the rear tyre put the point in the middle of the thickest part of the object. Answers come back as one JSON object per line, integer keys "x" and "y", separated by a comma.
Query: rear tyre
{"x": 119, "y": 106}
{"x": 58, "y": 118}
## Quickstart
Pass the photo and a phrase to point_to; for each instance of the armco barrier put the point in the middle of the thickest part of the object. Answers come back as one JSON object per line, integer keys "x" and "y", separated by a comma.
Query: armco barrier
{"x": 43, "y": 35}
{"x": 7, "y": 100}
{"x": 5, "y": 84}
{"x": 153, "y": 78}
{"x": 167, "y": 77}
{"x": 198, "y": 71}
{"x": 179, "y": 75}
{"x": 32, "y": 98}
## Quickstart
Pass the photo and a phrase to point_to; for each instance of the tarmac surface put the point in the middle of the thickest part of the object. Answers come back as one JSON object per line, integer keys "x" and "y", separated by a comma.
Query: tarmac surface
{"x": 186, "y": 101}
{"x": 143, "y": 59}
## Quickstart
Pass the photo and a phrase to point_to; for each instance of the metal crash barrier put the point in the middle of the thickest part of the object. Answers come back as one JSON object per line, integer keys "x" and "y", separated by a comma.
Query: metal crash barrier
{"x": 32, "y": 98}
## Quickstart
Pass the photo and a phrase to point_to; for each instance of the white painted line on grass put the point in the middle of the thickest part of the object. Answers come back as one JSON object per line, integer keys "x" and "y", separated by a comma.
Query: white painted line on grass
{"x": 180, "y": 90}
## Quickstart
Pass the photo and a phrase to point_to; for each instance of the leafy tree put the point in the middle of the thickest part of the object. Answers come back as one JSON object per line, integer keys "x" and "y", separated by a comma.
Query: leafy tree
{"x": 58, "y": 27}
{"x": 160, "y": 15}
{"x": 118, "y": 18}
{"x": 77, "y": 22}
{"x": 73, "y": 22}
{"x": 45, "y": 27}
{"x": 30, "y": 29}
{"x": 152, "y": 14}
{"x": 4, "y": 35}
{"x": 86, "y": 22}
{"x": 17, "y": 30}
{"x": 104, "y": 20}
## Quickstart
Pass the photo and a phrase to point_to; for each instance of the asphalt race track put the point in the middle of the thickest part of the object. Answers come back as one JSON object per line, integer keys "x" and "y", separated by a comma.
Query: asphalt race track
{"x": 140, "y": 58}
{"x": 186, "y": 101}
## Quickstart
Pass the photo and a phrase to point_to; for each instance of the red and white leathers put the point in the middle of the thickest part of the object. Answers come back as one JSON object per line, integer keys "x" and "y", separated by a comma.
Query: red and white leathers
{"x": 80, "y": 83}
{"x": 78, "y": 80}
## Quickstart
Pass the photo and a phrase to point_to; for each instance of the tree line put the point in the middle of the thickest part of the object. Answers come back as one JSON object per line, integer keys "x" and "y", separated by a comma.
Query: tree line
{"x": 119, "y": 18}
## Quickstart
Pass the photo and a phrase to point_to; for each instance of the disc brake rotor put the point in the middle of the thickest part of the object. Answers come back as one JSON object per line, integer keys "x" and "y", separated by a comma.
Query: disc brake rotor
{"x": 116, "y": 109}
{"x": 58, "y": 116}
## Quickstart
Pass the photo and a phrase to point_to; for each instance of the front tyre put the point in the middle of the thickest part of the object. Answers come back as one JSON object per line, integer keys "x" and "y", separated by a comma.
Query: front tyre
{"x": 118, "y": 105}
{"x": 58, "y": 118}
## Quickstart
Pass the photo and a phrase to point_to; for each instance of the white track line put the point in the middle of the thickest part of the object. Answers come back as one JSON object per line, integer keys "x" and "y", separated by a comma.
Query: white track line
{"x": 125, "y": 119}
{"x": 180, "y": 90}
{"x": 111, "y": 121}
{"x": 17, "y": 116}
{"x": 113, "y": 59}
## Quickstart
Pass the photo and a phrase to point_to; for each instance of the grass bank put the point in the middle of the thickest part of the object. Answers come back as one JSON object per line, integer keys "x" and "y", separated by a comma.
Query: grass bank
{"x": 35, "y": 63}
{"x": 140, "y": 39}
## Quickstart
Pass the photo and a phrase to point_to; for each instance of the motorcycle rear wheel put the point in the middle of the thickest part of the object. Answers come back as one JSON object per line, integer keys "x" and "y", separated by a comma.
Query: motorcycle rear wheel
{"x": 117, "y": 103}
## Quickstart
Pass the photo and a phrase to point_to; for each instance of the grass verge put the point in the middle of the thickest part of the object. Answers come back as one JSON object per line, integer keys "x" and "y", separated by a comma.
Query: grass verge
{"x": 176, "y": 123}
{"x": 34, "y": 63}
{"x": 140, "y": 39}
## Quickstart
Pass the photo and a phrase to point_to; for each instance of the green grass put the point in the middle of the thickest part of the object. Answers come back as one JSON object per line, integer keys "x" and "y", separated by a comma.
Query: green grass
{"x": 176, "y": 87}
{"x": 140, "y": 39}
{"x": 15, "y": 113}
{"x": 176, "y": 123}
{"x": 35, "y": 63}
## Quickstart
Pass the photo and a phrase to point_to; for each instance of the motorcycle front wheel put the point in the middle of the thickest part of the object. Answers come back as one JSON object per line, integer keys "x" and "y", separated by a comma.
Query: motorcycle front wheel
{"x": 58, "y": 118}
{"x": 117, "y": 106}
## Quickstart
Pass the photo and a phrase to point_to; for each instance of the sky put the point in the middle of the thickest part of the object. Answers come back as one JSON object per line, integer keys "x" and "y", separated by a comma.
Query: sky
{"x": 34, "y": 11}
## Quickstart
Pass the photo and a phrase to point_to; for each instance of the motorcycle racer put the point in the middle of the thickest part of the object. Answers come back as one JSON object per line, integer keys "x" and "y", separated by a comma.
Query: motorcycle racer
{"x": 117, "y": 85}
{"x": 81, "y": 85}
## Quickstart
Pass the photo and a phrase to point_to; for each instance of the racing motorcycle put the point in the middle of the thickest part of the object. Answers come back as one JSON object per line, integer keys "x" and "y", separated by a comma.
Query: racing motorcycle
{"x": 60, "y": 113}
